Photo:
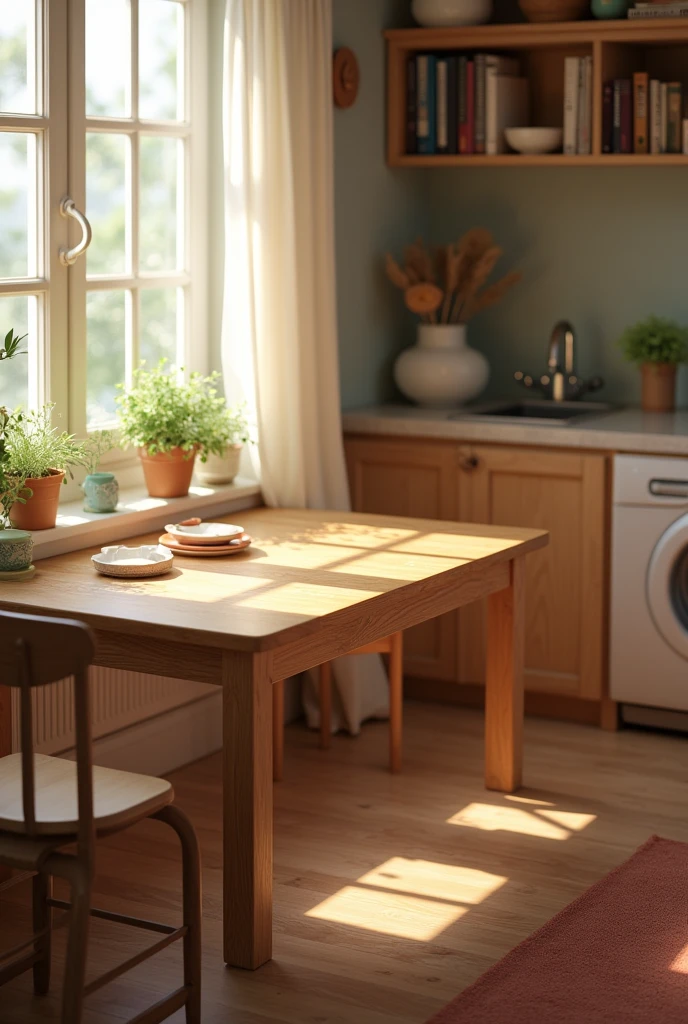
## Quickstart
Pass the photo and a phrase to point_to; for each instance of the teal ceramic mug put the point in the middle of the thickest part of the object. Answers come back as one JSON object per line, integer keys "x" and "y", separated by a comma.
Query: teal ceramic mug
{"x": 610, "y": 8}
{"x": 101, "y": 492}
{"x": 16, "y": 548}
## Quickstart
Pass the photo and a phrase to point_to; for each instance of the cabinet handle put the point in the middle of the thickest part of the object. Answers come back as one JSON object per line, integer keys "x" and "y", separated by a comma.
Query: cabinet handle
{"x": 469, "y": 462}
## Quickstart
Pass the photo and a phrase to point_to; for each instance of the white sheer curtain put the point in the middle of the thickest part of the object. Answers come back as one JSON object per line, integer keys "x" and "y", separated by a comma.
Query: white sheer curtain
{"x": 279, "y": 338}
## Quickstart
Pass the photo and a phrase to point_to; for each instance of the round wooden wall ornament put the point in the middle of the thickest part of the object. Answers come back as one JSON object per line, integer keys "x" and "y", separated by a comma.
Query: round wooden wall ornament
{"x": 345, "y": 77}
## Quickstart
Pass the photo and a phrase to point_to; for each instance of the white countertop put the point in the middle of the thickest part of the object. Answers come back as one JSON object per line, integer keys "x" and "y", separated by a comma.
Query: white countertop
{"x": 625, "y": 430}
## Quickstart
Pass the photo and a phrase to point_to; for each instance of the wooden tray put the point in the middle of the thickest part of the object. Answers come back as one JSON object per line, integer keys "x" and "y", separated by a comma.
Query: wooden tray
{"x": 206, "y": 550}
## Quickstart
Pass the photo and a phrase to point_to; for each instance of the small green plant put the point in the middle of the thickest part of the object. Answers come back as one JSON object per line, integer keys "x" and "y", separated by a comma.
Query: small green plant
{"x": 11, "y": 345}
{"x": 232, "y": 426}
{"x": 95, "y": 446}
{"x": 8, "y": 350}
{"x": 655, "y": 340}
{"x": 160, "y": 413}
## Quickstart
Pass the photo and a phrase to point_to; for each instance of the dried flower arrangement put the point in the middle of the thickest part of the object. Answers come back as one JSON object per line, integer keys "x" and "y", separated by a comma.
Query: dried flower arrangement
{"x": 449, "y": 285}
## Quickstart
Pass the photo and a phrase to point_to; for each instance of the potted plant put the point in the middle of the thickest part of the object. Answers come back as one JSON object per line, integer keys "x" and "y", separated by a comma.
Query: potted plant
{"x": 101, "y": 490}
{"x": 170, "y": 422}
{"x": 446, "y": 288}
{"x": 38, "y": 456}
{"x": 231, "y": 431}
{"x": 657, "y": 345}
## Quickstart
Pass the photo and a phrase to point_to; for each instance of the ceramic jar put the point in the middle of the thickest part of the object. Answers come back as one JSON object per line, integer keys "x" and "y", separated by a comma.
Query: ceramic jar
{"x": 101, "y": 492}
{"x": 220, "y": 469}
{"x": 441, "y": 370}
{"x": 610, "y": 8}
{"x": 16, "y": 548}
{"x": 435, "y": 13}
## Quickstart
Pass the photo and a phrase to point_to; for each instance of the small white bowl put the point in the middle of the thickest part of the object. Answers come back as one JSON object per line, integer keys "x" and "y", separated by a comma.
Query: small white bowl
{"x": 204, "y": 533}
{"x": 533, "y": 141}
{"x": 133, "y": 563}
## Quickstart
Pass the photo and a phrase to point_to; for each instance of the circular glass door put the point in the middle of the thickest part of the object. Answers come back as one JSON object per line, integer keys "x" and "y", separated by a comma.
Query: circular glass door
{"x": 667, "y": 586}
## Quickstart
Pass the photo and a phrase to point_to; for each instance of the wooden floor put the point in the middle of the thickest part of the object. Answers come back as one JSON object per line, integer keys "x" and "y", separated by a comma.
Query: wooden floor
{"x": 392, "y": 893}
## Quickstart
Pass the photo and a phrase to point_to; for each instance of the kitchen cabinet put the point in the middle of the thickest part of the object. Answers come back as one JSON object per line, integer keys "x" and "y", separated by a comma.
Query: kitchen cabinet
{"x": 410, "y": 478}
{"x": 563, "y": 492}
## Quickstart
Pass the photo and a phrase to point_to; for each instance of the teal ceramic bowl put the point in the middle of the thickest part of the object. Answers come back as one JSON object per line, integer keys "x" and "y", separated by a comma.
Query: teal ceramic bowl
{"x": 101, "y": 492}
{"x": 16, "y": 548}
{"x": 610, "y": 8}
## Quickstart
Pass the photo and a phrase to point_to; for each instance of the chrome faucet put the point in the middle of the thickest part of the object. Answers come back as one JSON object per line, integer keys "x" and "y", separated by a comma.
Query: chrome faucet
{"x": 560, "y": 383}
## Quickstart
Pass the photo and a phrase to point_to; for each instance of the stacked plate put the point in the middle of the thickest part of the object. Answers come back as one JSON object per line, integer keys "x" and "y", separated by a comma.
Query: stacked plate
{"x": 205, "y": 540}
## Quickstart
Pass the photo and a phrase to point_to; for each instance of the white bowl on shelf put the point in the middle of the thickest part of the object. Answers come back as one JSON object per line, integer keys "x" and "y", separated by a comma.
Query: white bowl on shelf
{"x": 437, "y": 13}
{"x": 534, "y": 141}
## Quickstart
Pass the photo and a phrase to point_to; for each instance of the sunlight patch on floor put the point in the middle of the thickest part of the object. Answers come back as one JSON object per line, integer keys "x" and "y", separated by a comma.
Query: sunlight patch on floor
{"x": 437, "y": 881}
{"x": 680, "y": 964}
{"x": 405, "y": 917}
{"x": 543, "y": 822}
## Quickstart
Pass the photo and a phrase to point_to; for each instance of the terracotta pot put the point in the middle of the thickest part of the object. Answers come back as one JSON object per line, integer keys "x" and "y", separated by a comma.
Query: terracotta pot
{"x": 659, "y": 387}
{"x": 167, "y": 474}
{"x": 40, "y": 510}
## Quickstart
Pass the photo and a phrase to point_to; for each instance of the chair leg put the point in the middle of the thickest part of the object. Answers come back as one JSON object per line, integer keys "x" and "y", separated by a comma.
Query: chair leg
{"x": 42, "y": 921}
{"x": 396, "y": 700}
{"x": 80, "y": 878}
{"x": 325, "y": 687}
{"x": 278, "y": 731}
{"x": 191, "y": 884}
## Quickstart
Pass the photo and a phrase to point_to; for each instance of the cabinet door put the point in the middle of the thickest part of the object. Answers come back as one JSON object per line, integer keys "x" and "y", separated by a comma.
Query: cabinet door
{"x": 397, "y": 477}
{"x": 564, "y": 493}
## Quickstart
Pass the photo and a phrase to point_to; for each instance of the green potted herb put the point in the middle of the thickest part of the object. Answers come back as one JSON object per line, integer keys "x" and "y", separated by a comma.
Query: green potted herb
{"x": 101, "y": 490}
{"x": 38, "y": 456}
{"x": 657, "y": 345}
{"x": 231, "y": 431}
{"x": 16, "y": 546}
{"x": 170, "y": 422}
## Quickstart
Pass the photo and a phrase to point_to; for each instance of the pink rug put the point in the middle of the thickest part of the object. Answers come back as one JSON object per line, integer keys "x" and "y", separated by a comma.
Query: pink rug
{"x": 616, "y": 955}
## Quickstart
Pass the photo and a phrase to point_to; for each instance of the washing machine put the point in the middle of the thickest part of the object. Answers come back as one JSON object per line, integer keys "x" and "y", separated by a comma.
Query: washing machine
{"x": 649, "y": 588}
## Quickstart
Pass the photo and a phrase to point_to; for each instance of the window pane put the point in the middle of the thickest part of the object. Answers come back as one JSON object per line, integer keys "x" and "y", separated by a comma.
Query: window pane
{"x": 17, "y": 205}
{"x": 106, "y": 329}
{"x": 106, "y": 201}
{"x": 158, "y": 324}
{"x": 108, "y": 50}
{"x": 161, "y": 27}
{"x": 159, "y": 232}
{"x": 17, "y": 57}
{"x": 17, "y": 312}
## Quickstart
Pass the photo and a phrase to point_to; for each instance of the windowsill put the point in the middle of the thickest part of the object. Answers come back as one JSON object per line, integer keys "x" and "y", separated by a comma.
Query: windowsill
{"x": 138, "y": 513}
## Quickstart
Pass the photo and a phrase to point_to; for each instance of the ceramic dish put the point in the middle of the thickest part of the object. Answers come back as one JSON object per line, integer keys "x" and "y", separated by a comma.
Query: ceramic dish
{"x": 206, "y": 550}
{"x": 533, "y": 141}
{"x": 133, "y": 563}
{"x": 204, "y": 533}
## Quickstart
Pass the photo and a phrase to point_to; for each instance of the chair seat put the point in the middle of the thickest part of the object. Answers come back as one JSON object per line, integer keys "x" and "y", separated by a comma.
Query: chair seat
{"x": 119, "y": 798}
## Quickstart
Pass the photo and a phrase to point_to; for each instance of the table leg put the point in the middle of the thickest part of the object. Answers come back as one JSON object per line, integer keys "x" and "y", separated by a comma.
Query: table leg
{"x": 504, "y": 683}
{"x": 247, "y": 802}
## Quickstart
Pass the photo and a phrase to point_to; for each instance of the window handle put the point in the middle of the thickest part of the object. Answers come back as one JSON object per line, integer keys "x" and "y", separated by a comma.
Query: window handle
{"x": 68, "y": 209}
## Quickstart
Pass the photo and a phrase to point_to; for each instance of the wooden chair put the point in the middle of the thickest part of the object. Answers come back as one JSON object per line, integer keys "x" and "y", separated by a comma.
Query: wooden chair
{"x": 391, "y": 645}
{"x": 48, "y": 803}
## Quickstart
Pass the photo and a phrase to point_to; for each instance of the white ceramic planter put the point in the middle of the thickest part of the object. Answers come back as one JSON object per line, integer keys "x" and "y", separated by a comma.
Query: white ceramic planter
{"x": 435, "y": 13}
{"x": 220, "y": 469}
{"x": 441, "y": 370}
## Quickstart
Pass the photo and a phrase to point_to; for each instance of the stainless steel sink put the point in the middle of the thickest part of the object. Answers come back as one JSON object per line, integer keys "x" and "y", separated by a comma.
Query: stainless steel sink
{"x": 535, "y": 412}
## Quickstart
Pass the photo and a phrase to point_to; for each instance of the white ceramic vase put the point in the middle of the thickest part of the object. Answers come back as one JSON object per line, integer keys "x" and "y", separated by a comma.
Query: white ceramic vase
{"x": 220, "y": 469}
{"x": 435, "y": 13}
{"x": 441, "y": 371}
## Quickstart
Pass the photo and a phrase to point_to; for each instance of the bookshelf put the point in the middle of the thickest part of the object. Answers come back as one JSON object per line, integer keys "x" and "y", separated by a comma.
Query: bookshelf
{"x": 618, "y": 48}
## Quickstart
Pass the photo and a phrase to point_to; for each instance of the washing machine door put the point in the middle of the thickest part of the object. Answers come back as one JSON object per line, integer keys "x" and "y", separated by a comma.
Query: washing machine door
{"x": 667, "y": 585}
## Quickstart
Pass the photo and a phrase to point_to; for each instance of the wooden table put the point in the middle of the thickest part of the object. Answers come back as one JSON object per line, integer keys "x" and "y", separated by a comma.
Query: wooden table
{"x": 313, "y": 586}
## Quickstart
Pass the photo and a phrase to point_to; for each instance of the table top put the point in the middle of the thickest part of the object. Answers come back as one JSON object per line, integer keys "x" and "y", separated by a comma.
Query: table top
{"x": 302, "y": 567}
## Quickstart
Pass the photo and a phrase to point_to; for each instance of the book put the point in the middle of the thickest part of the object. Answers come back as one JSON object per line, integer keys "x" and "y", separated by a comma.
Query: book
{"x": 685, "y": 136}
{"x": 426, "y": 119}
{"x": 626, "y": 116}
{"x": 655, "y": 114}
{"x": 616, "y": 116}
{"x": 571, "y": 77}
{"x": 467, "y": 108}
{"x": 411, "y": 110}
{"x": 447, "y": 100}
{"x": 659, "y": 11}
{"x": 584, "y": 119}
{"x": 608, "y": 117}
{"x": 640, "y": 109}
{"x": 498, "y": 67}
{"x": 509, "y": 109}
{"x": 674, "y": 117}
{"x": 479, "y": 130}
{"x": 663, "y": 117}
{"x": 462, "y": 108}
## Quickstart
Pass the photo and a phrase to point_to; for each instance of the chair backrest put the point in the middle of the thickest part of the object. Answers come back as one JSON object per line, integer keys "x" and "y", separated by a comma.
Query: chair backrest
{"x": 35, "y": 651}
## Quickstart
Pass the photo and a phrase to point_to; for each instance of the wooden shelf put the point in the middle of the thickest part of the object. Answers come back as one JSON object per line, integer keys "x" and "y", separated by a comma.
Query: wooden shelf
{"x": 618, "y": 48}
